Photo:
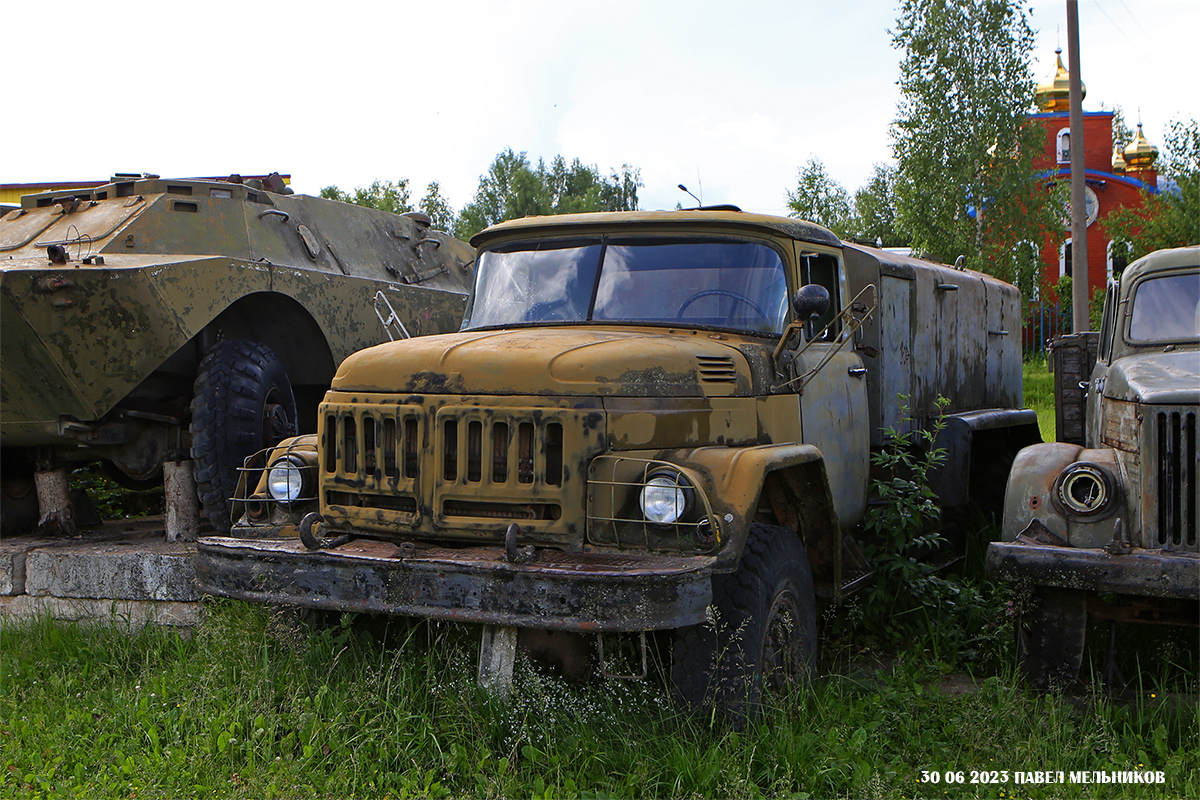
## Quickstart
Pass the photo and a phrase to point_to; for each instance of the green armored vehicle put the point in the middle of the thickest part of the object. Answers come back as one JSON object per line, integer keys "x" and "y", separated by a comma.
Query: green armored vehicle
{"x": 1105, "y": 523}
{"x": 149, "y": 321}
{"x": 645, "y": 415}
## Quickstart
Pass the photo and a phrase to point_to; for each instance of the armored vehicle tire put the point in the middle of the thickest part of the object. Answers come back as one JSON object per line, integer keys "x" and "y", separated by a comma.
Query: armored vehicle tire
{"x": 243, "y": 403}
{"x": 765, "y": 632}
{"x": 1050, "y": 638}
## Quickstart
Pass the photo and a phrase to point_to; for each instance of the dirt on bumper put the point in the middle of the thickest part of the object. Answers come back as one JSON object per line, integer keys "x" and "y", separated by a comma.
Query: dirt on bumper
{"x": 1146, "y": 573}
{"x": 557, "y": 591}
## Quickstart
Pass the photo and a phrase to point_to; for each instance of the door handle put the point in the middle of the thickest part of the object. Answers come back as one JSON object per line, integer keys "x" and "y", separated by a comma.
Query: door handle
{"x": 857, "y": 372}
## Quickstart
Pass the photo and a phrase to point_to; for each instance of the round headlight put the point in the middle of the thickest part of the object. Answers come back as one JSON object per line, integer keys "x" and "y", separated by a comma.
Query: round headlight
{"x": 665, "y": 498}
{"x": 285, "y": 479}
{"x": 1085, "y": 490}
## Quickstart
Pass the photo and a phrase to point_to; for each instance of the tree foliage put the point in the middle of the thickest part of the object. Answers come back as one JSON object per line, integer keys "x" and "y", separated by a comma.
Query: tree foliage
{"x": 1170, "y": 218}
{"x": 1122, "y": 134}
{"x": 965, "y": 183}
{"x": 819, "y": 198}
{"x": 514, "y": 188}
{"x": 391, "y": 196}
{"x": 434, "y": 206}
{"x": 874, "y": 217}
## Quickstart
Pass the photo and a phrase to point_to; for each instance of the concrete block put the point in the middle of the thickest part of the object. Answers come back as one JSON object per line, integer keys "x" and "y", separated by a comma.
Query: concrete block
{"x": 131, "y": 569}
{"x": 134, "y": 613}
{"x": 12, "y": 561}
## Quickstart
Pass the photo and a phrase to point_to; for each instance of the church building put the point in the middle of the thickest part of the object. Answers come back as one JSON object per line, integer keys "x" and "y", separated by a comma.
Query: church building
{"x": 1114, "y": 177}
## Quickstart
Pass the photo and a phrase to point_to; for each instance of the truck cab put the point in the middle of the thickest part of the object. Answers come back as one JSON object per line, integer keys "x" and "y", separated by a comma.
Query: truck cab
{"x": 1103, "y": 523}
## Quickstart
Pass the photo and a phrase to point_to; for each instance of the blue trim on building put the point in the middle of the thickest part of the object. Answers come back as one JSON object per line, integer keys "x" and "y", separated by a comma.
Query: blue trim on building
{"x": 1067, "y": 114}
{"x": 1096, "y": 176}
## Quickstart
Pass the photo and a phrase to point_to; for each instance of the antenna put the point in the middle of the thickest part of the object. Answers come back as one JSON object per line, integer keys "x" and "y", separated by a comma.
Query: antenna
{"x": 685, "y": 189}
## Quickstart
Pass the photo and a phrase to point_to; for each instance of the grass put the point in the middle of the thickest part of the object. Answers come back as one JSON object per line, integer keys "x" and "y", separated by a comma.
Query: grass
{"x": 258, "y": 703}
{"x": 1039, "y": 394}
{"x": 255, "y": 704}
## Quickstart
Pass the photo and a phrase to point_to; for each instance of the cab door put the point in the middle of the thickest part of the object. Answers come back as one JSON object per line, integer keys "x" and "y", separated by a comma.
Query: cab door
{"x": 833, "y": 395}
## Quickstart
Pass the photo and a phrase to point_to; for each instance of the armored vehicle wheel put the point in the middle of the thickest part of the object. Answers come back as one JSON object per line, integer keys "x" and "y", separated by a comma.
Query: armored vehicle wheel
{"x": 1050, "y": 637}
{"x": 765, "y": 632}
{"x": 243, "y": 402}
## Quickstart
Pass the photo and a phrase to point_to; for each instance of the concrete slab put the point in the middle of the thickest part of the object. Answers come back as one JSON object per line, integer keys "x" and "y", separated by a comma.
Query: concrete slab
{"x": 12, "y": 561}
{"x": 134, "y": 613}
{"x": 15, "y": 549}
{"x": 115, "y": 569}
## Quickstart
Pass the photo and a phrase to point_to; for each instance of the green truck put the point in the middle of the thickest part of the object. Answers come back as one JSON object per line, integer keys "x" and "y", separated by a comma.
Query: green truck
{"x": 1102, "y": 524}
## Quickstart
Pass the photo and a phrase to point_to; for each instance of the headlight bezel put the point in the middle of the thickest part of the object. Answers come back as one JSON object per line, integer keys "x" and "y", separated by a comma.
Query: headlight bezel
{"x": 1085, "y": 491}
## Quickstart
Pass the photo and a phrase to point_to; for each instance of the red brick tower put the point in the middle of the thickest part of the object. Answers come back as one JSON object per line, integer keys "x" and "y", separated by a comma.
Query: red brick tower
{"x": 1114, "y": 178}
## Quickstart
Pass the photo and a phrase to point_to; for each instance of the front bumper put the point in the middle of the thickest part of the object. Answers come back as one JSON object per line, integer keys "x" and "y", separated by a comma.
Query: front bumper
{"x": 587, "y": 592}
{"x": 1143, "y": 573}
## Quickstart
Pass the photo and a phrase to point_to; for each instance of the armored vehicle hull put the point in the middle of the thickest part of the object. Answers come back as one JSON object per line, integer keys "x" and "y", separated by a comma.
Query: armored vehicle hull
{"x": 149, "y": 321}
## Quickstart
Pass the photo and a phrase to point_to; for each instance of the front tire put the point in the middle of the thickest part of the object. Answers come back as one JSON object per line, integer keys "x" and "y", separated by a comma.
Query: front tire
{"x": 1050, "y": 638}
{"x": 242, "y": 403}
{"x": 764, "y": 636}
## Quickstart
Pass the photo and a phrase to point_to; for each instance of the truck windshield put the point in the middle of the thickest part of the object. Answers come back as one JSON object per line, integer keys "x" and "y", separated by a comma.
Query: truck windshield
{"x": 723, "y": 284}
{"x": 1166, "y": 309}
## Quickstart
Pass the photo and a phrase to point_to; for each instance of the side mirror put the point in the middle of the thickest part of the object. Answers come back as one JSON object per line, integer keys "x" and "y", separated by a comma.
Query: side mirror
{"x": 810, "y": 302}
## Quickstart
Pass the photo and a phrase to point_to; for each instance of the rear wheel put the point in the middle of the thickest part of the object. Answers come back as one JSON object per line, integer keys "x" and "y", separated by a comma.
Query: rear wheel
{"x": 1050, "y": 638}
{"x": 243, "y": 403}
{"x": 764, "y": 636}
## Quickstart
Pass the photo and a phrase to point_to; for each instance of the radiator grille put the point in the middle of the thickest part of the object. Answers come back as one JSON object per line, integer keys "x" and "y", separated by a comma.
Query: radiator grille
{"x": 463, "y": 468}
{"x": 1175, "y": 486}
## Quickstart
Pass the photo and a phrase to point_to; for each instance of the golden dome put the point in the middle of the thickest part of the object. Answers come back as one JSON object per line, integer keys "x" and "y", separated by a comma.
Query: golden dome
{"x": 1140, "y": 155}
{"x": 1118, "y": 161}
{"x": 1054, "y": 93}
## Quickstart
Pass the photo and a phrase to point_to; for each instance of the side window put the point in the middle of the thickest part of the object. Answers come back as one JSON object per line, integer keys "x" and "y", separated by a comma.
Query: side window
{"x": 1106, "y": 323}
{"x": 823, "y": 270}
{"x": 1062, "y": 147}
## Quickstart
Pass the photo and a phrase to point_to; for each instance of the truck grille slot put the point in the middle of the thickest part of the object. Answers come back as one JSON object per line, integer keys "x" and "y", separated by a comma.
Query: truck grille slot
{"x": 530, "y": 511}
{"x": 350, "y": 445}
{"x": 716, "y": 369}
{"x": 1176, "y": 489}
{"x": 450, "y": 450}
{"x": 407, "y": 505}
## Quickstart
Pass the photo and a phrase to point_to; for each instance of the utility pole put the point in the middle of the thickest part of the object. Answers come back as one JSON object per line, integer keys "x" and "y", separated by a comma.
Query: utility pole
{"x": 1079, "y": 256}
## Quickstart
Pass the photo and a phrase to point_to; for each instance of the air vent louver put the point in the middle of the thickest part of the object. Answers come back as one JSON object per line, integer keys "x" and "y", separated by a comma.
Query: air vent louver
{"x": 716, "y": 369}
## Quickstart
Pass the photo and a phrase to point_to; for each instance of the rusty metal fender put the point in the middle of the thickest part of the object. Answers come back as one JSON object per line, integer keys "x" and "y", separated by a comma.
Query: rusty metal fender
{"x": 1032, "y": 485}
{"x": 788, "y": 480}
{"x": 974, "y": 435}
{"x": 1030, "y": 482}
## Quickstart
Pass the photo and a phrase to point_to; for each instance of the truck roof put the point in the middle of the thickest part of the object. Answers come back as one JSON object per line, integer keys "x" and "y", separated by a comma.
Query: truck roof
{"x": 1162, "y": 259}
{"x": 710, "y": 217}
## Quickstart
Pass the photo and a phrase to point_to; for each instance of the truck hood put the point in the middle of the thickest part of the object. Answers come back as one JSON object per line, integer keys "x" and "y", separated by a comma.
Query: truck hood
{"x": 552, "y": 361}
{"x": 1156, "y": 378}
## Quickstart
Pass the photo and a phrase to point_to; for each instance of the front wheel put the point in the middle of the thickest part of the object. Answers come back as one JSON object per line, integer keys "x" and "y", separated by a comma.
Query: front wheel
{"x": 1050, "y": 638}
{"x": 243, "y": 403}
{"x": 764, "y": 634}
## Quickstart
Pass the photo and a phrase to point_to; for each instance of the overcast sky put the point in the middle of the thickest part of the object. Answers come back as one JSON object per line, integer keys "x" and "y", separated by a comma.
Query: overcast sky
{"x": 728, "y": 98}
